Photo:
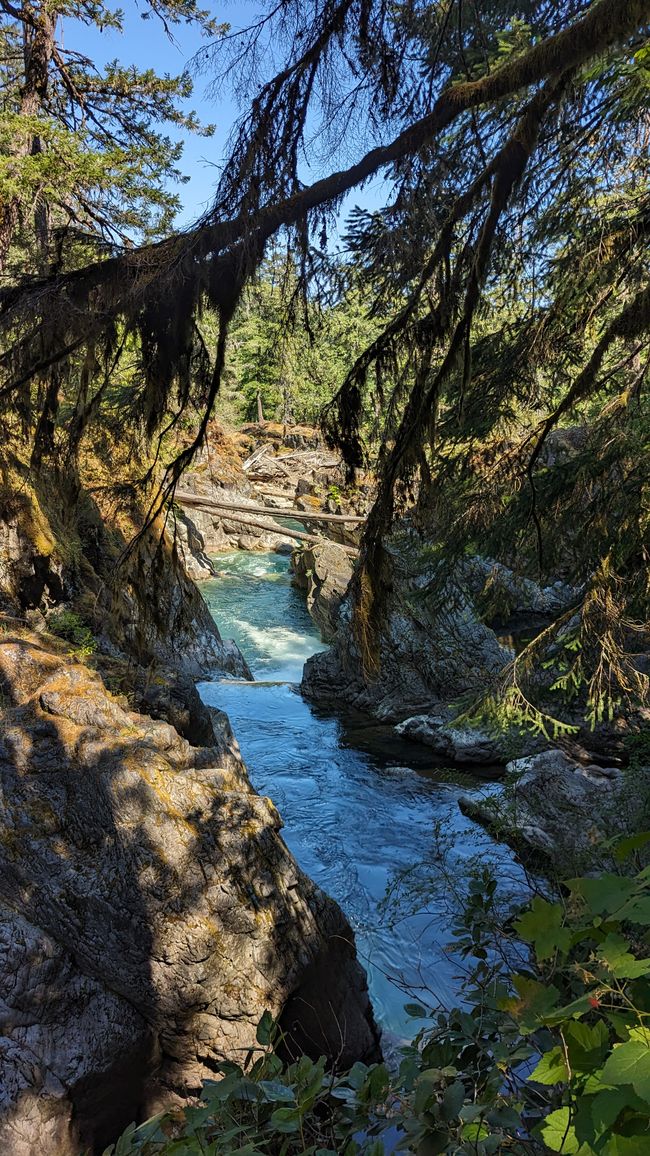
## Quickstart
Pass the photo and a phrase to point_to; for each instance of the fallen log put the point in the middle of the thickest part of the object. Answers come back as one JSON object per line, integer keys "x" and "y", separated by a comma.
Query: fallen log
{"x": 276, "y": 528}
{"x": 199, "y": 501}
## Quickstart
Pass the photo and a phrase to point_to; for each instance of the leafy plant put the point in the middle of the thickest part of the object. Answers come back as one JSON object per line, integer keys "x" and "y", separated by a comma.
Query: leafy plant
{"x": 70, "y": 627}
{"x": 269, "y": 1106}
{"x": 550, "y": 1051}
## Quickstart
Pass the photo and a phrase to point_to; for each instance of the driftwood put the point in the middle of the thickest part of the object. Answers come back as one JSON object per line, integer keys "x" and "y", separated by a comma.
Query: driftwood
{"x": 299, "y": 535}
{"x": 255, "y": 456}
{"x": 315, "y": 459}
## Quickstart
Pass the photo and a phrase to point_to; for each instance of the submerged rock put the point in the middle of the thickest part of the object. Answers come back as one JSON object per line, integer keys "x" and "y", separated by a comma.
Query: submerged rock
{"x": 149, "y": 913}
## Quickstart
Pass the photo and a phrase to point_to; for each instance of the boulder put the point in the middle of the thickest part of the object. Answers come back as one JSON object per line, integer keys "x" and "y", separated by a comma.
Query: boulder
{"x": 463, "y": 744}
{"x": 560, "y": 812}
{"x": 149, "y": 914}
{"x": 324, "y": 571}
{"x": 430, "y": 654}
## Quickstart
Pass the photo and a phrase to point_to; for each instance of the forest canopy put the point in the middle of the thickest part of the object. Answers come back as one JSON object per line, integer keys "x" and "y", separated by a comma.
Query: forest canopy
{"x": 504, "y": 283}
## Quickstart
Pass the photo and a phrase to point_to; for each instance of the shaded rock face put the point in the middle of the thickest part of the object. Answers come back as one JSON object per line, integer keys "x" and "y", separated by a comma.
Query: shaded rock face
{"x": 324, "y": 571}
{"x": 29, "y": 571}
{"x": 159, "y": 615}
{"x": 149, "y": 913}
{"x": 506, "y": 596}
{"x": 559, "y": 812}
{"x": 190, "y": 544}
{"x": 153, "y": 611}
{"x": 427, "y": 659}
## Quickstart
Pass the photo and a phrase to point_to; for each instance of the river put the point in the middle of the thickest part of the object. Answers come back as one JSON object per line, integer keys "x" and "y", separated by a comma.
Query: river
{"x": 360, "y": 806}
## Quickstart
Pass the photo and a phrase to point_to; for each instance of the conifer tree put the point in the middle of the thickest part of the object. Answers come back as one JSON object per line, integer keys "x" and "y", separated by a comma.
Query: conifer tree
{"x": 84, "y": 149}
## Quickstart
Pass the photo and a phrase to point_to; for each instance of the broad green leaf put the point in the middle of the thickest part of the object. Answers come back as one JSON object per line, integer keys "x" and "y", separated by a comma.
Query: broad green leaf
{"x": 629, "y": 1063}
{"x": 475, "y": 1131}
{"x": 558, "y": 1132}
{"x": 605, "y": 894}
{"x": 453, "y": 1100}
{"x": 264, "y": 1031}
{"x": 377, "y": 1083}
{"x": 618, "y": 1145}
{"x": 617, "y": 957}
{"x": 416, "y": 1010}
{"x": 632, "y": 843}
{"x": 587, "y": 1046}
{"x": 433, "y": 1144}
{"x": 275, "y": 1091}
{"x": 576, "y": 1008}
{"x": 640, "y": 1033}
{"x": 542, "y": 926}
{"x": 637, "y": 911}
{"x": 606, "y": 1107}
{"x": 551, "y": 1069}
{"x": 285, "y": 1120}
{"x": 357, "y": 1075}
{"x": 535, "y": 1003}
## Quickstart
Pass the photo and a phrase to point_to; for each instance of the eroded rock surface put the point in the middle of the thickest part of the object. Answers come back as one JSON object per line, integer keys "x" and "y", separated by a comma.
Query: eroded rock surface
{"x": 149, "y": 913}
{"x": 559, "y": 811}
{"x": 461, "y": 744}
{"x": 429, "y": 655}
{"x": 153, "y": 613}
{"x": 324, "y": 571}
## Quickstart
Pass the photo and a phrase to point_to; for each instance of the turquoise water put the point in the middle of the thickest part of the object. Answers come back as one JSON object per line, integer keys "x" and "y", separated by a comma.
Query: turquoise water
{"x": 359, "y": 805}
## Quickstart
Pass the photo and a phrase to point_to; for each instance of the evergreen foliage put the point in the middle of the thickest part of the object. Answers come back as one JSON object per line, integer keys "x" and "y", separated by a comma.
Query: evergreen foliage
{"x": 506, "y": 277}
{"x": 83, "y": 151}
{"x": 293, "y": 354}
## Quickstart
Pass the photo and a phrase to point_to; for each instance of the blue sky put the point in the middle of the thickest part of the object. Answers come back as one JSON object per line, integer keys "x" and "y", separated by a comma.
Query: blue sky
{"x": 145, "y": 44}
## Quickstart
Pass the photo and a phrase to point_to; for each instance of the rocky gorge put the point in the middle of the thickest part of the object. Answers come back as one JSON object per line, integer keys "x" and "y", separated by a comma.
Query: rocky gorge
{"x": 151, "y": 911}
{"x": 438, "y": 653}
{"x": 144, "y": 881}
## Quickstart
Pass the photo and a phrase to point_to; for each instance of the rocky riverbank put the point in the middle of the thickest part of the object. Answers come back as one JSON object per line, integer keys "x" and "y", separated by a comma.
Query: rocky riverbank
{"x": 144, "y": 884}
{"x": 145, "y": 887}
{"x": 561, "y": 804}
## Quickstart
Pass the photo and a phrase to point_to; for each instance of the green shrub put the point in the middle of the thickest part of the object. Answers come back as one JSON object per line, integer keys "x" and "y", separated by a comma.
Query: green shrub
{"x": 550, "y": 1052}
{"x": 70, "y": 627}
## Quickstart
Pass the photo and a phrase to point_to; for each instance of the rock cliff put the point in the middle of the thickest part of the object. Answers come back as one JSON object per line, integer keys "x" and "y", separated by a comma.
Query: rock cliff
{"x": 144, "y": 606}
{"x": 323, "y": 570}
{"x": 430, "y": 654}
{"x": 149, "y": 913}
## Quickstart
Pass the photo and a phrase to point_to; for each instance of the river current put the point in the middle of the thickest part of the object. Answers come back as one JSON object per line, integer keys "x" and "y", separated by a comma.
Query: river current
{"x": 363, "y": 810}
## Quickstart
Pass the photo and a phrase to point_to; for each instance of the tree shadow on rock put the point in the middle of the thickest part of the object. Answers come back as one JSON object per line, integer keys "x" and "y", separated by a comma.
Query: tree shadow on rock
{"x": 149, "y": 914}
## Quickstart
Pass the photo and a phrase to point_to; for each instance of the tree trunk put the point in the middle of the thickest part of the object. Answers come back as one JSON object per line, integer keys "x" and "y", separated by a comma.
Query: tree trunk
{"x": 260, "y": 411}
{"x": 38, "y": 44}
